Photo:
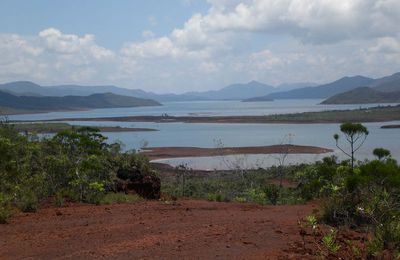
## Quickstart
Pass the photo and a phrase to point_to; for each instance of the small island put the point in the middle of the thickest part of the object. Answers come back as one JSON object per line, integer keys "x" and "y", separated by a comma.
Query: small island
{"x": 155, "y": 153}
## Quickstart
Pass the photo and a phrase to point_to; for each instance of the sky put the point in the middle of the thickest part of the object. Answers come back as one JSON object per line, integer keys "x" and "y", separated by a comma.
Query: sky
{"x": 196, "y": 45}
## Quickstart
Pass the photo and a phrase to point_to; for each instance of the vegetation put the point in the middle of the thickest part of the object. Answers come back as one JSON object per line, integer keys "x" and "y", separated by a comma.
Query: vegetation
{"x": 118, "y": 198}
{"x": 79, "y": 165}
{"x": 364, "y": 95}
{"x": 41, "y": 103}
{"x": 39, "y": 128}
{"x": 364, "y": 195}
{"x": 355, "y": 135}
{"x": 74, "y": 165}
{"x": 237, "y": 185}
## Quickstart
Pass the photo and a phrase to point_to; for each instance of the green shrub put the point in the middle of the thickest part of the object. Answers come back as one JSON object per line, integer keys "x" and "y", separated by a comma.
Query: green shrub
{"x": 28, "y": 202}
{"x": 5, "y": 210}
{"x": 119, "y": 198}
{"x": 387, "y": 237}
{"x": 256, "y": 195}
{"x": 272, "y": 193}
{"x": 70, "y": 195}
{"x": 217, "y": 197}
{"x": 5, "y": 213}
{"x": 329, "y": 241}
{"x": 239, "y": 199}
{"x": 59, "y": 200}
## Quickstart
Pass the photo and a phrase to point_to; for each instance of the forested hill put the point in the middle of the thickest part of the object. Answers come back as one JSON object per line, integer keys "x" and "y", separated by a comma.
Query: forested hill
{"x": 40, "y": 103}
{"x": 364, "y": 95}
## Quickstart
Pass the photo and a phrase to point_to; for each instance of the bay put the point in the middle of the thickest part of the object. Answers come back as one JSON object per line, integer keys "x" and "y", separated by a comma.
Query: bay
{"x": 235, "y": 135}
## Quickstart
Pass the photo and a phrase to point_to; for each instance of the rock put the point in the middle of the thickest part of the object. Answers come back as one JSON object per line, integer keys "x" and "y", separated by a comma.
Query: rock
{"x": 147, "y": 185}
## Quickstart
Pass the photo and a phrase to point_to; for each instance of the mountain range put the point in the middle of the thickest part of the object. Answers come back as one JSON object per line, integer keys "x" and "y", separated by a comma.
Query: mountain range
{"x": 364, "y": 95}
{"x": 251, "y": 91}
{"x": 346, "y": 84}
{"x": 14, "y": 103}
{"x": 231, "y": 92}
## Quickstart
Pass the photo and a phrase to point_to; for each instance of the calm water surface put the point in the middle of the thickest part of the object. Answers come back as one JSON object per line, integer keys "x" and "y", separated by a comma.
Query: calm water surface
{"x": 210, "y": 135}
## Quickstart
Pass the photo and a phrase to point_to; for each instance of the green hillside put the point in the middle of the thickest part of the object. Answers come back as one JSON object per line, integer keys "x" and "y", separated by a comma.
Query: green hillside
{"x": 364, "y": 95}
{"x": 10, "y": 103}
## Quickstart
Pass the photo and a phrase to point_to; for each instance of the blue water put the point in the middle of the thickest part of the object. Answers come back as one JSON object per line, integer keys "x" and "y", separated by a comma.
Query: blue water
{"x": 201, "y": 108}
{"x": 212, "y": 135}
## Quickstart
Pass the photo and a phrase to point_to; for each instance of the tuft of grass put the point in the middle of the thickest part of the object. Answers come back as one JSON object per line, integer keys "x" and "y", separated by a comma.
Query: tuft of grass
{"x": 29, "y": 202}
{"x": 5, "y": 214}
{"x": 119, "y": 198}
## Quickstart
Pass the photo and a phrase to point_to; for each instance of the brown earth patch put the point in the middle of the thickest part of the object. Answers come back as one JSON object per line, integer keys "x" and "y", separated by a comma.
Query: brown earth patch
{"x": 154, "y": 229}
{"x": 176, "y": 152}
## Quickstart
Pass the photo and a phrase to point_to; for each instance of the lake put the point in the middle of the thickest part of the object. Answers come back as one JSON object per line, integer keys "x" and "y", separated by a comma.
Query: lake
{"x": 210, "y": 135}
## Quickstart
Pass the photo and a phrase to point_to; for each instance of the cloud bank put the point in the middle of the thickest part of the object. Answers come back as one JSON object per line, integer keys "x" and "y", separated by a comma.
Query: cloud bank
{"x": 273, "y": 41}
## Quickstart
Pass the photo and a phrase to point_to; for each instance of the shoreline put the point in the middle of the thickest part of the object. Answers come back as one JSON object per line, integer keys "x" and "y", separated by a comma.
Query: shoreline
{"x": 51, "y": 128}
{"x": 375, "y": 114}
{"x": 157, "y": 153}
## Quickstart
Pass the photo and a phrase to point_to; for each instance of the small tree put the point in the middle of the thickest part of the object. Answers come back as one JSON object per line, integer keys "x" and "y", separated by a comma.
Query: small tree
{"x": 355, "y": 135}
{"x": 282, "y": 155}
{"x": 381, "y": 153}
{"x": 181, "y": 175}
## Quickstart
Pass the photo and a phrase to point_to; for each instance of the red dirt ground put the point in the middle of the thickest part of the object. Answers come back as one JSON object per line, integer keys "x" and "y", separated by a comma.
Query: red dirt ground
{"x": 155, "y": 229}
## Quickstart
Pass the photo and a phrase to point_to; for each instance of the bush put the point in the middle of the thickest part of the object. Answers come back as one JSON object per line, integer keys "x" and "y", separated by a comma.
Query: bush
{"x": 5, "y": 210}
{"x": 28, "y": 202}
{"x": 239, "y": 199}
{"x": 257, "y": 196}
{"x": 387, "y": 237}
{"x": 95, "y": 193}
{"x": 59, "y": 199}
{"x": 272, "y": 193}
{"x": 119, "y": 198}
{"x": 217, "y": 197}
{"x": 5, "y": 213}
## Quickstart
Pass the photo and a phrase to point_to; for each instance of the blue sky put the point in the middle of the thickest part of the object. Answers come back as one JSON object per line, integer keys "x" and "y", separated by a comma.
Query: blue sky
{"x": 194, "y": 45}
{"x": 113, "y": 22}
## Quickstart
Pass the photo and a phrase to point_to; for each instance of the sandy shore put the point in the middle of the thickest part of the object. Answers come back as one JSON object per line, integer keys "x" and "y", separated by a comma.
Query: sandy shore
{"x": 176, "y": 152}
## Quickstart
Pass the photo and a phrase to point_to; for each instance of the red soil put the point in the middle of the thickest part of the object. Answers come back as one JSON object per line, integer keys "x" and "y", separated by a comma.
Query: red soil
{"x": 154, "y": 229}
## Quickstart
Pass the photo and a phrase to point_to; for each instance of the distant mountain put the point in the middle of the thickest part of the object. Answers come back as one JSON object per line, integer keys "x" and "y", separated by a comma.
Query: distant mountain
{"x": 289, "y": 86}
{"x": 389, "y": 86}
{"x": 258, "y": 99}
{"x": 106, "y": 100}
{"x": 27, "y": 88}
{"x": 236, "y": 91}
{"x": 382, "y": 90}
{"x": 385, "y": 80}
{"x": 364, "y": 95}
{"x": 323, "y": 91}
{"x": 231, "y": 92}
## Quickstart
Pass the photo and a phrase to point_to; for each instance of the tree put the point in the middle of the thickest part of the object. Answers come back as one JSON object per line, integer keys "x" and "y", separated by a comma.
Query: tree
{"x": 355, "y": 135}
{"x": 381, "y": 153}
{"x": 282, "y": 155}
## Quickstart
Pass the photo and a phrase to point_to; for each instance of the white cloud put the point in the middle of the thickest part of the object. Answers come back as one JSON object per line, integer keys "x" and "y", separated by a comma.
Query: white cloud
{"x": 55, "y": 41}
{"x": 317, "y": 21}
{"x": 386, "y": 45}
{"x": 153, "y": 48}
{"x": 273, "y": 41}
